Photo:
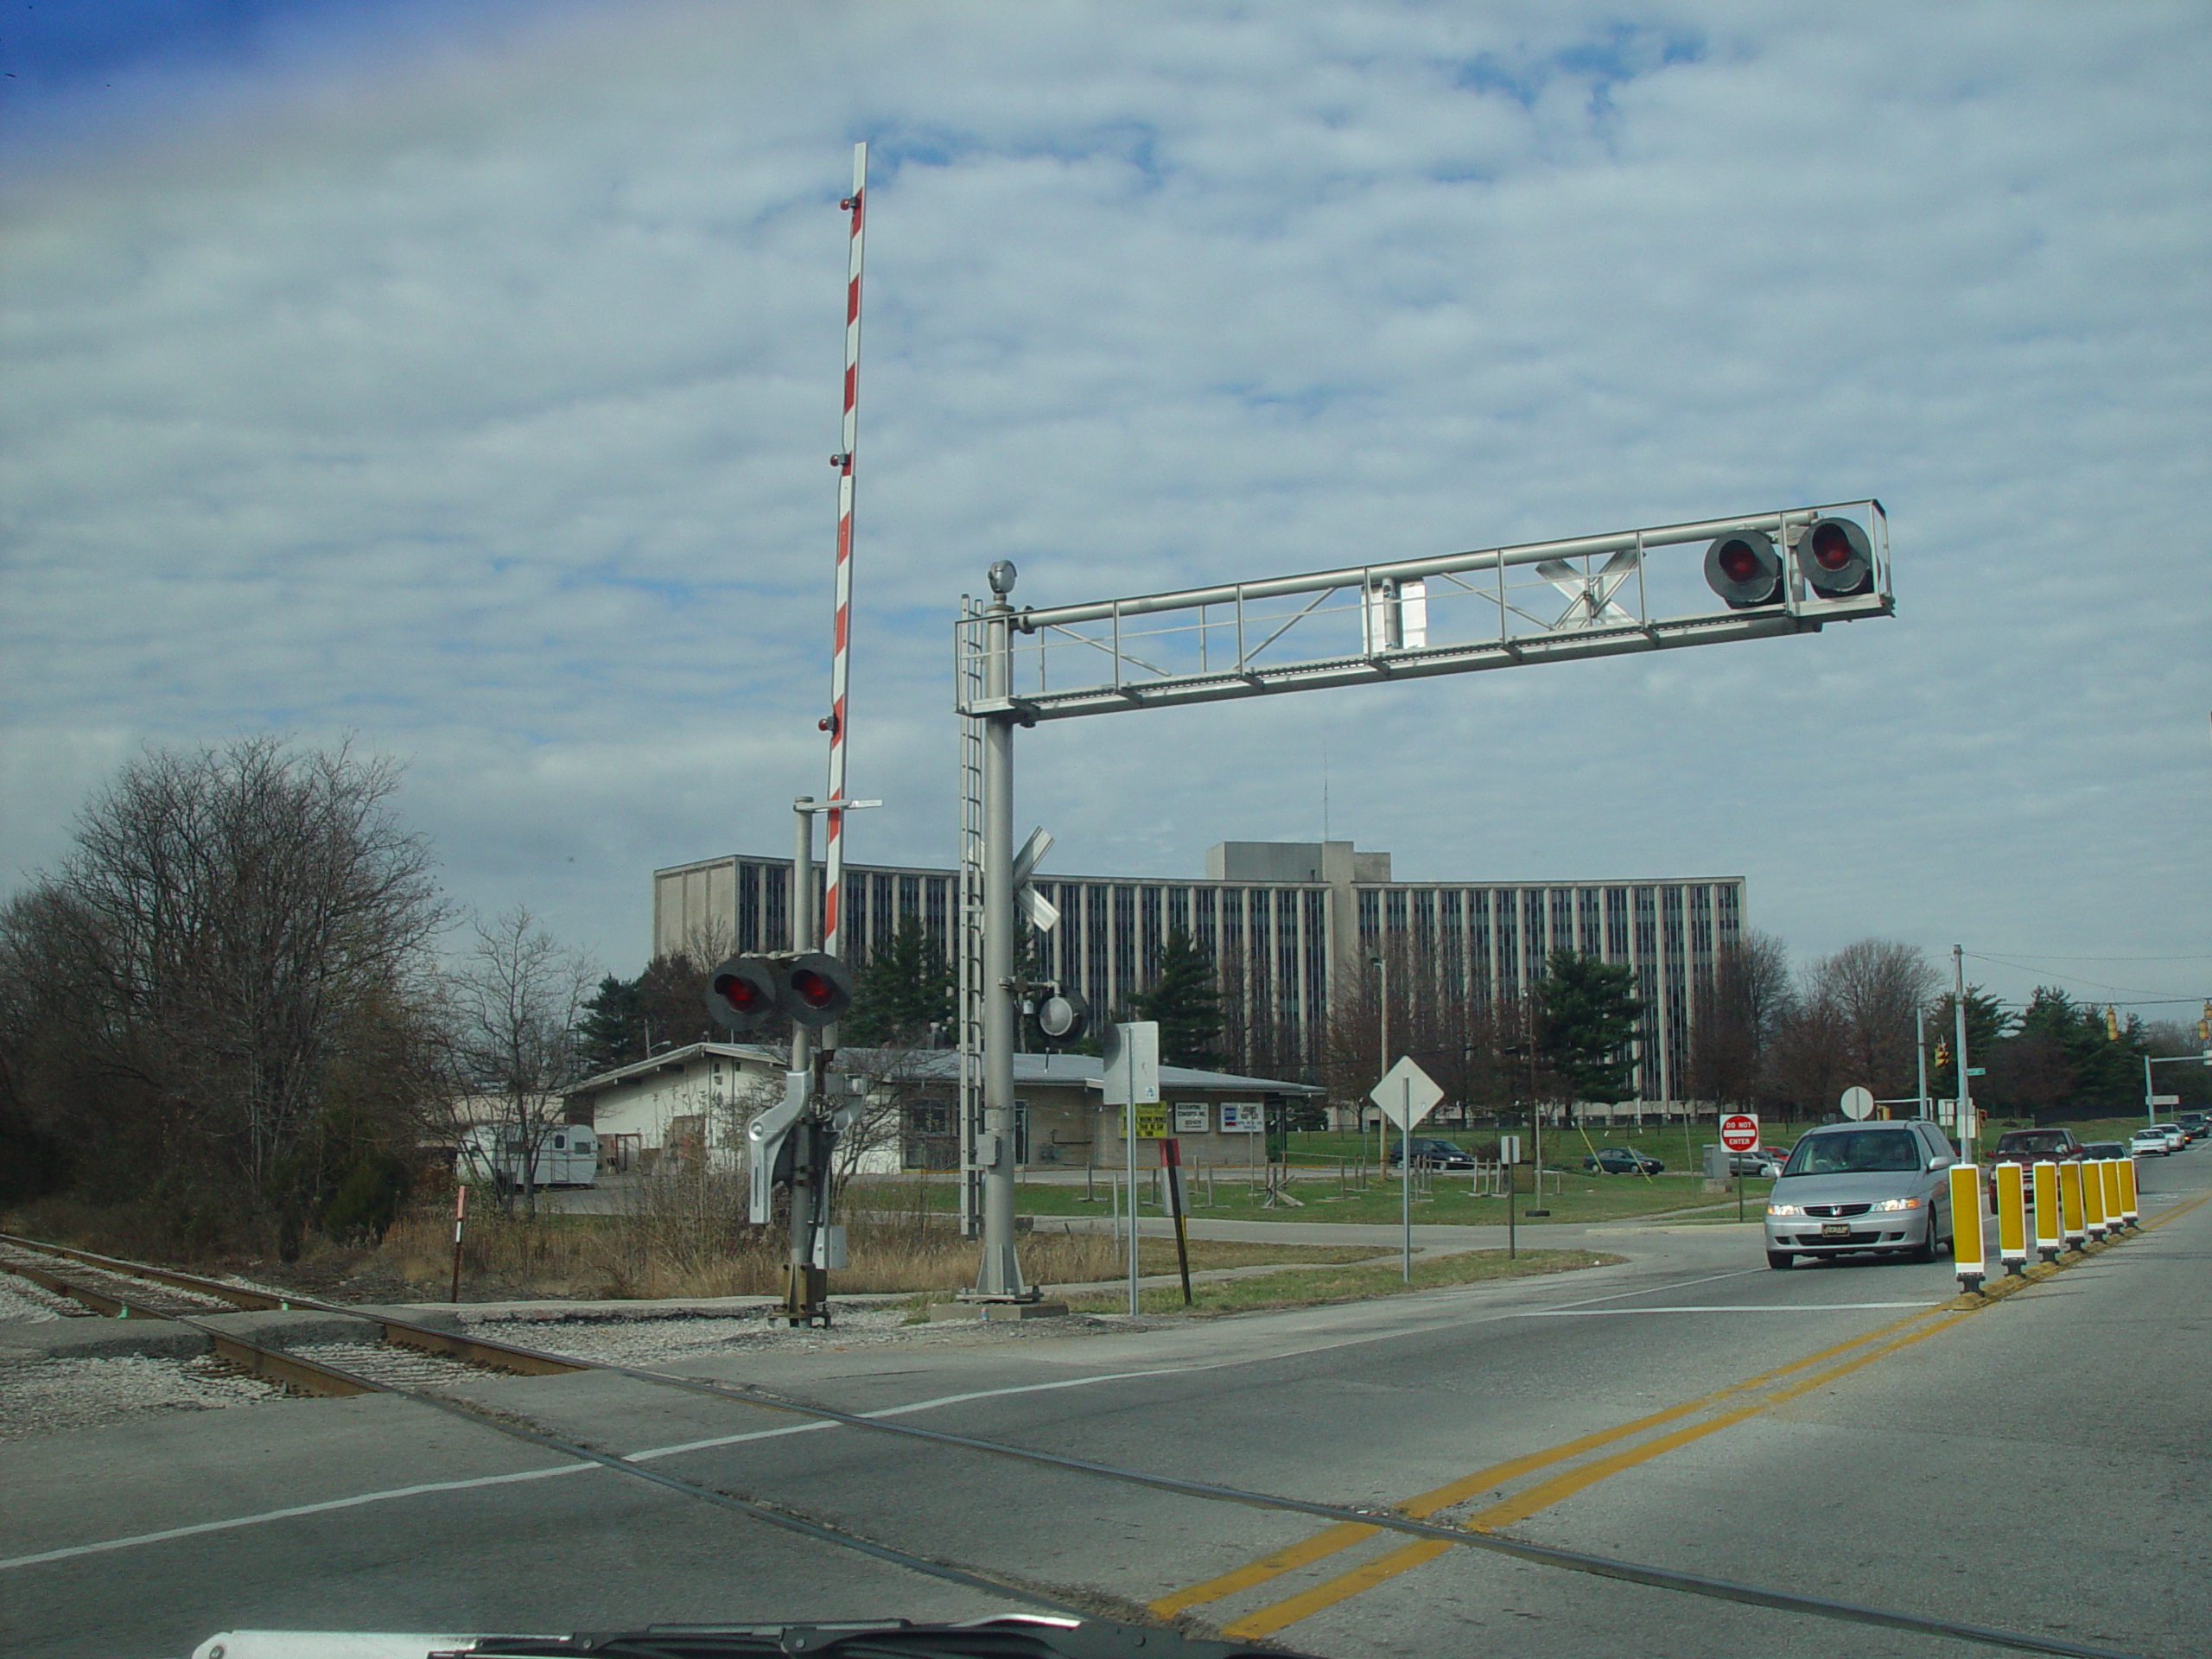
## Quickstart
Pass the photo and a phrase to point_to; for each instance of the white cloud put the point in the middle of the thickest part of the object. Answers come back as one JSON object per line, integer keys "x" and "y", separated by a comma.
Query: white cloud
{"x": 481, "y": 406}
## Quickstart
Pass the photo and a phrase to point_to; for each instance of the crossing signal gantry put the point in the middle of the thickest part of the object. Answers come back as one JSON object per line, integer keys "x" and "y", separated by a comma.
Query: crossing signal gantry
{"x": 1791, "y": 570}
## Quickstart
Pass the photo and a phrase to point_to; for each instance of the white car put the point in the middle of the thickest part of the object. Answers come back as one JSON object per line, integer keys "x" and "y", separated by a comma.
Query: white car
{"x": 2176, "y": 1137}
{"x": 2146, "y": 1141}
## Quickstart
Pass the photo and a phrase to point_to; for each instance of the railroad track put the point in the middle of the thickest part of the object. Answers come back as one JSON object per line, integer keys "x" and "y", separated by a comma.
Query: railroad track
{"x": 320, "y": 1376}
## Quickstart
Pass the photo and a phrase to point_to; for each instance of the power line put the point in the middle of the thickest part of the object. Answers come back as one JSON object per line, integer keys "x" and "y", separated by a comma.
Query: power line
{"x": 2126, "y": 990}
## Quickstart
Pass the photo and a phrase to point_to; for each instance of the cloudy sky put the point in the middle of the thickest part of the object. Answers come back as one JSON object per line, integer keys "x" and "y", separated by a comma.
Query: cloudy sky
{"x": 464, "y": 379}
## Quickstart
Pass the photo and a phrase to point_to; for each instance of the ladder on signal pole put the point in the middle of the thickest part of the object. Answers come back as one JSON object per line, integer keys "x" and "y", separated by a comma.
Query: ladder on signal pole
{"x": 969, "y": 671}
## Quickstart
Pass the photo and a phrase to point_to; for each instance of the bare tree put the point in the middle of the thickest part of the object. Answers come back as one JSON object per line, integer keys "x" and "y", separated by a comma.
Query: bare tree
{"x": 1736, "y": 1019}
{"x": 516, "y": 1001}
{"x": 231, "y": 927}
{"x": 1875, "y": 987}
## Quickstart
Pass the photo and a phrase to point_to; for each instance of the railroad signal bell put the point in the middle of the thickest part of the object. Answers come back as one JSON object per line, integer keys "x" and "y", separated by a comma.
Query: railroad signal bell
{"x": 1834, "y": 556}
{"x": 806, "y": 987}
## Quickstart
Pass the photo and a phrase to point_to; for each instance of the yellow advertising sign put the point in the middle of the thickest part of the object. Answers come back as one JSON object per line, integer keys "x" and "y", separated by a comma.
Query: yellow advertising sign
{"x": 1152, "y": 1121}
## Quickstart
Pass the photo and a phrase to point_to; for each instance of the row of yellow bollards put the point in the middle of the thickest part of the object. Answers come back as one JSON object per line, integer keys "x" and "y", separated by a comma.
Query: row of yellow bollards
{"x": 2080, "y": 1202}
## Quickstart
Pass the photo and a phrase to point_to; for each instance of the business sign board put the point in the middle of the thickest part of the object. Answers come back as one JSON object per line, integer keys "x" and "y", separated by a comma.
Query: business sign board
{"x": 1191, "y": 1118}
{"x": 1242, "y": 1117}
{"x": 1150, "y": 1122}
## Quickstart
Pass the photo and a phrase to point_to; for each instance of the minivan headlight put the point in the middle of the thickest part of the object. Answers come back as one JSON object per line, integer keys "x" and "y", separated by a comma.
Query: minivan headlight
{"x": 1898, "y": 1203}
{"x": 1785, "y": 1210}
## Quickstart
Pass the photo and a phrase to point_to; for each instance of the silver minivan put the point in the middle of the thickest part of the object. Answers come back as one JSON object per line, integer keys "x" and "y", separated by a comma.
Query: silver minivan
{"x": 1853, "y": 1188}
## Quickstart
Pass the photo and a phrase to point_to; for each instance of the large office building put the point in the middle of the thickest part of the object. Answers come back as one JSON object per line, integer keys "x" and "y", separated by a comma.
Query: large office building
{"x": 1287, "y": 922}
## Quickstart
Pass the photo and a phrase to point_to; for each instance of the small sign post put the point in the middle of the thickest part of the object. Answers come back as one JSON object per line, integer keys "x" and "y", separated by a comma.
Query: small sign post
{"x": 1407, "y": 1094}
{"x": 1739, "y": 1132}
{"x": 1131, "y": 1079}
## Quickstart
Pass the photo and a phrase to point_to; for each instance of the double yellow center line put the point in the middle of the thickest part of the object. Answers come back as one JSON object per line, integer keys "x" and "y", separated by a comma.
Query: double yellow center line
{"x": 1726, "y": 1405}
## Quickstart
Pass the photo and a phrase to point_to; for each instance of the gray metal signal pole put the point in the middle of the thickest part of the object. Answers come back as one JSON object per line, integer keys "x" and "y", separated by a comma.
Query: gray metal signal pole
{"x": 1384, "y": 622}
{"x": 999, "y": 1274}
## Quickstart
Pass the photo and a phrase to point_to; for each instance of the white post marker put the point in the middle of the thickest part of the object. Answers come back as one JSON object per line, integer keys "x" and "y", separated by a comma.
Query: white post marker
{"x": 1406, "y": 1095}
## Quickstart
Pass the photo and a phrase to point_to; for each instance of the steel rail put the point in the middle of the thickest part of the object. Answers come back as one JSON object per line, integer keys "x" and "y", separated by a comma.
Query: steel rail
{"x": 485, "y": 1352}
{"x": 1388, "y": 1520}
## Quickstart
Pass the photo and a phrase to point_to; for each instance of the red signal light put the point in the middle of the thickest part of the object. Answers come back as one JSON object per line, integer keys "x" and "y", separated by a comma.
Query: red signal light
{"x": 1737, "y": 561}
{"x": 812, "y": 989}
{"x": 1832, "y": 549}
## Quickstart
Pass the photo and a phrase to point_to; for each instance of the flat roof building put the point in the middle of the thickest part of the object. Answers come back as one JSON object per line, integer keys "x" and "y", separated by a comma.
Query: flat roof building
{"x": 1290, "y": 925}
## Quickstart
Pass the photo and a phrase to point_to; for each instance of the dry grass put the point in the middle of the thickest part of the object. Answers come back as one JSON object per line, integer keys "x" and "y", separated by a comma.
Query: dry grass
{"x": 678, "y": 1236}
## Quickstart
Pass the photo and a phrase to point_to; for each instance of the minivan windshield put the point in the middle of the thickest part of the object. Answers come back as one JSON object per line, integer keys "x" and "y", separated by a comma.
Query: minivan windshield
{"x": 1855, "y": 1152}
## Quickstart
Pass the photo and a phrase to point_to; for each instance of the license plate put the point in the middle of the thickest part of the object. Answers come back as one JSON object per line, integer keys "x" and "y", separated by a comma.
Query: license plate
{"x": 1835, "y": 1230}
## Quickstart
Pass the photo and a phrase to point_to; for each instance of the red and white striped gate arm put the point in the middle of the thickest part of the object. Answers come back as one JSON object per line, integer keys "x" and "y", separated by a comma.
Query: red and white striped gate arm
{"x": 836, "y": 724}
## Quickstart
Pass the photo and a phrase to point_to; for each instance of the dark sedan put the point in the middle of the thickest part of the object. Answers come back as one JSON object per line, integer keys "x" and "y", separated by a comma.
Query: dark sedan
{"x": 1620, "y": 1160}
{"x": 1432, "y": 1154}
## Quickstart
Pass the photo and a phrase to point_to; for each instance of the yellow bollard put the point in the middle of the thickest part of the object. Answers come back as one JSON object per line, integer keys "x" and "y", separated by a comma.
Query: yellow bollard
{"x": 2128, "y": 1210}
{"x": 2070, "y": 1203}
{"x": 2047, "y": 1241}
{"x": 1966, "y": 1247}
{"x": 2114, "y": 1220}
{"x": 2012, "y": 1217}
{"x": 2093, "y": 1198}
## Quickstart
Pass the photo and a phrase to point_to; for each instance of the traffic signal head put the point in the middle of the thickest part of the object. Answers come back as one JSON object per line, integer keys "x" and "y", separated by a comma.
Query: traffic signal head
{"x": 1837, "y": 559}
{"x": 1744, "y": 568}
{"x": 741, "y": 993}
{"x": 816, "y": 989}
{"x": 747, "y": 993}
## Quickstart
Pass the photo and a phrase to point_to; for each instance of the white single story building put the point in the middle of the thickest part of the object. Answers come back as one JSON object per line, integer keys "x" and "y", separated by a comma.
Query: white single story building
{"x": 693, "y": 1103}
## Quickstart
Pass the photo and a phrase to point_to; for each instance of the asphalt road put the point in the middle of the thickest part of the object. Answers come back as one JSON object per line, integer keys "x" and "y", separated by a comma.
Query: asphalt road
{"x": 2041, "y": 1465}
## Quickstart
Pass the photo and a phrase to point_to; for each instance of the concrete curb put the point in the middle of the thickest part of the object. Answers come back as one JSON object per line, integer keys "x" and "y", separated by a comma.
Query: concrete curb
{"x": 93, "y": 1339}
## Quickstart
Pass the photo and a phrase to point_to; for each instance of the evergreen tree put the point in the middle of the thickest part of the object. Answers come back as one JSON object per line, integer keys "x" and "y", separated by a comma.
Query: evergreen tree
{"x": 1182, "y": 998}
{"x": 1589, "y": 1011}
{"x": 905, "y": 988}
{"x": 611, "y": 1034}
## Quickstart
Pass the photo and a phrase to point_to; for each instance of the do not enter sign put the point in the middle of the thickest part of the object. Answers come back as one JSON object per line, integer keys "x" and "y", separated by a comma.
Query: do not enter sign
{"x": 1739, "y": 1131}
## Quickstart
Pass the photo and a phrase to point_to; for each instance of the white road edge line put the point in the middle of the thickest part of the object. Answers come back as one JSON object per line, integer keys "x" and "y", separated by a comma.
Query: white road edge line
{"x": 390, "y": 1494}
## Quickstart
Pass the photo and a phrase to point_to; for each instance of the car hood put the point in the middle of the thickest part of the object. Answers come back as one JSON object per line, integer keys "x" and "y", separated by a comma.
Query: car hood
{"x": 1868, "y": 1188}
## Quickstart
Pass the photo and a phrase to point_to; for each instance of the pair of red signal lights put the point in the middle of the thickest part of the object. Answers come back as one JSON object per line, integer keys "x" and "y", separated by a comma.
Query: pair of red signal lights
{"x": 1834, "y": 554}
{"x": 804, "y": 987}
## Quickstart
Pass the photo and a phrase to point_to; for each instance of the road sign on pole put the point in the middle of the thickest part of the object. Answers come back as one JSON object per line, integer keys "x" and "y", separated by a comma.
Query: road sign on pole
{"x": 1858, "y": 1105}
{"x": 1739, "y": 1131}
{"x": 1407, "y": 1094}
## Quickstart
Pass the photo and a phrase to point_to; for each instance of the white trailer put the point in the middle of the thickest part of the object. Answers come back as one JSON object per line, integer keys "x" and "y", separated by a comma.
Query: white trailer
{"x": 567, "y": 1155}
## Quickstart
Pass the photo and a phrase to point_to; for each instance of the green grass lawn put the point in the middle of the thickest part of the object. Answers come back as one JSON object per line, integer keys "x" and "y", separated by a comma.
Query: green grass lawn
{"x": 1308, "y": 1287}
{"x": 1571, "y": 1197}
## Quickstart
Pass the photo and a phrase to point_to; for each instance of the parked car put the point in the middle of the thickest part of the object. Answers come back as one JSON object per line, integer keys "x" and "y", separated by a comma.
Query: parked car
{"x": 1430, "y": 1153}
{"x": 2028, "y": 1148}
{"x": 1856, "y": 1188}
{"x": 2148, "y": 1142}
{"x": 1622, "y": 1160}
{"x": 1759, "y": 1160}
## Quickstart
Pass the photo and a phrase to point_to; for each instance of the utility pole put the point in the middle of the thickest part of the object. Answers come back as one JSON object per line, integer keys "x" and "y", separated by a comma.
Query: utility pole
{"x": 1964, "y": 1105}
{"x": 1381, "y": 1058}
{"x": 1920, "y": 1054}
